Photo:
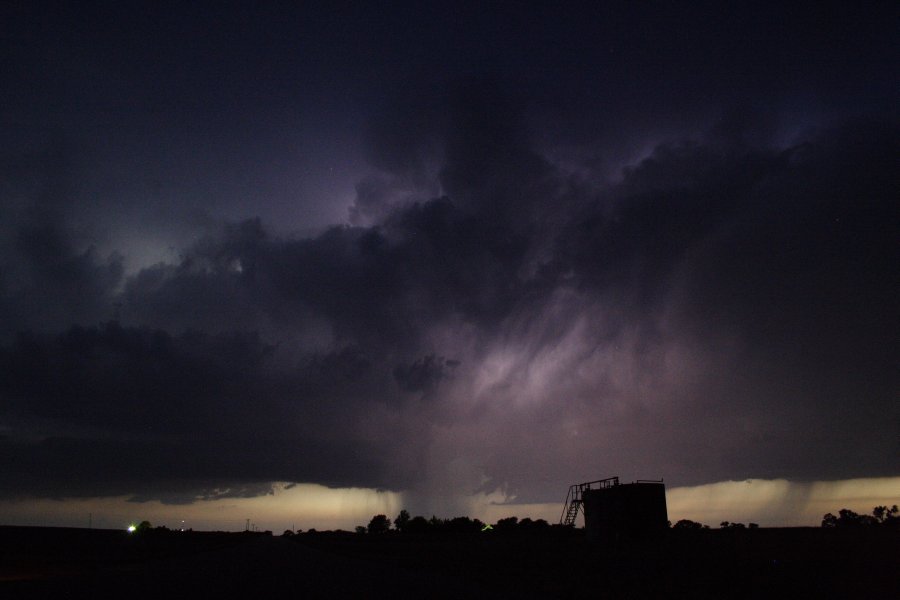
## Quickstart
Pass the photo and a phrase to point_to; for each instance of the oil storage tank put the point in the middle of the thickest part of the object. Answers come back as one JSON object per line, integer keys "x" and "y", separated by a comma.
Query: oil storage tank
{"x": 625, "y": 511}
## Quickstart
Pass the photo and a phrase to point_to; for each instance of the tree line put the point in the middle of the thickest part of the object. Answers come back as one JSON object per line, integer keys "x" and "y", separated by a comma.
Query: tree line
{"x": 881, "y": 516}
{"x": 405, "y": 523}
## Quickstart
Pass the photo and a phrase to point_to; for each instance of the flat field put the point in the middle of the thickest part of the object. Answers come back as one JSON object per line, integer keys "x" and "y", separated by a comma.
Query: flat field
{"x": 759, "y": 563}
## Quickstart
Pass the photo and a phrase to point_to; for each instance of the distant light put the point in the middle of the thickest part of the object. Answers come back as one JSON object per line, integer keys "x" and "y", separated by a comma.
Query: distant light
{"x": 132, "y": 529}
{"x": 487, "y": 527}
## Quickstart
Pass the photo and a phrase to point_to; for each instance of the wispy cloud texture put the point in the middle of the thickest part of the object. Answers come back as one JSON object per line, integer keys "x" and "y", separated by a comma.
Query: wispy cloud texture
{"x": 504, "y": 311}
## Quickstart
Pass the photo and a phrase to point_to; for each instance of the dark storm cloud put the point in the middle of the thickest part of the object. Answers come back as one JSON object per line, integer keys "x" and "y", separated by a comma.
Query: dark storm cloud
{"x": 780, "y": 258}
{"x": 425, "y": 374}
{"x": 474, "y": 147}
{"x": 508, "y": 309}
{"x": 50, "y": 272}
{"x": 114, "y": 410}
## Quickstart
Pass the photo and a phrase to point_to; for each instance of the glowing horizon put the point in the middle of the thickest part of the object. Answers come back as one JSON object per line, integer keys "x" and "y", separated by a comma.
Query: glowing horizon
{"x": 769, "y": 503}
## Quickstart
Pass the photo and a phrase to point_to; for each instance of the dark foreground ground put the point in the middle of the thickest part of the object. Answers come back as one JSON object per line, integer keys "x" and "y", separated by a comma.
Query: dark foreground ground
{"x": 761, "y": 563}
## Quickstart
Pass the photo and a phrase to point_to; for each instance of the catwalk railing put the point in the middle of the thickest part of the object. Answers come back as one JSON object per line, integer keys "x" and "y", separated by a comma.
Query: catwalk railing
{"x": 574, "y": 497}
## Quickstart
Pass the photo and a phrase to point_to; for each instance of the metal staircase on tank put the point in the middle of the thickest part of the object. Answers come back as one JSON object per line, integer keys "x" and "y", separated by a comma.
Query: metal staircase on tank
{"x": 574, "y": 497}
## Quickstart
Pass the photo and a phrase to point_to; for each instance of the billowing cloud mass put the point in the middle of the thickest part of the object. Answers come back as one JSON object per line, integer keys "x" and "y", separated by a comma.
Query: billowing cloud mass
{"x": 494, "y": 317}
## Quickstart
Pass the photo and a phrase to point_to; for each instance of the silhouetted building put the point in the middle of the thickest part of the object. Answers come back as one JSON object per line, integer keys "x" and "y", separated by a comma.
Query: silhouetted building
{"x": 628, "y": 510}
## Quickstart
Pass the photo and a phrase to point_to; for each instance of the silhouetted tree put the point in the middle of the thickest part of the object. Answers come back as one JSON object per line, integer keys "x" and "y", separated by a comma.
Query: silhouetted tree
{"x": 463, "y": 525}
{"x": 687, "y": 524}
{"x": 417, "y": 524}
{"x": 507, "y": 524}
{"x": 379, "y": 524}
{"x": 881, "y": 516}
{"x": 360, "y": 529}
{"x": 887, "y": 516}
{"x": 845, "y": 518}
{"x": 287, "y": 533}
{"x": 401, "y": 521}
{"x": 527, "y": 524}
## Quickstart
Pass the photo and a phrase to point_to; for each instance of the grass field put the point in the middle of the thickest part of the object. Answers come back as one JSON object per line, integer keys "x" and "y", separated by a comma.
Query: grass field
{"x": 760, "y": 563}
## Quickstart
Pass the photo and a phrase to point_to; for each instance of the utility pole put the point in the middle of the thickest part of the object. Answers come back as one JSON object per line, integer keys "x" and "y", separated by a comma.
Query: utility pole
{"x": 247, "y": 526}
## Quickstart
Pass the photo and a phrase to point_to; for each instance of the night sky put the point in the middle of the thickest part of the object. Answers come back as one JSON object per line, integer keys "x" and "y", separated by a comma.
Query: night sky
{"x": 446, "y": 250}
